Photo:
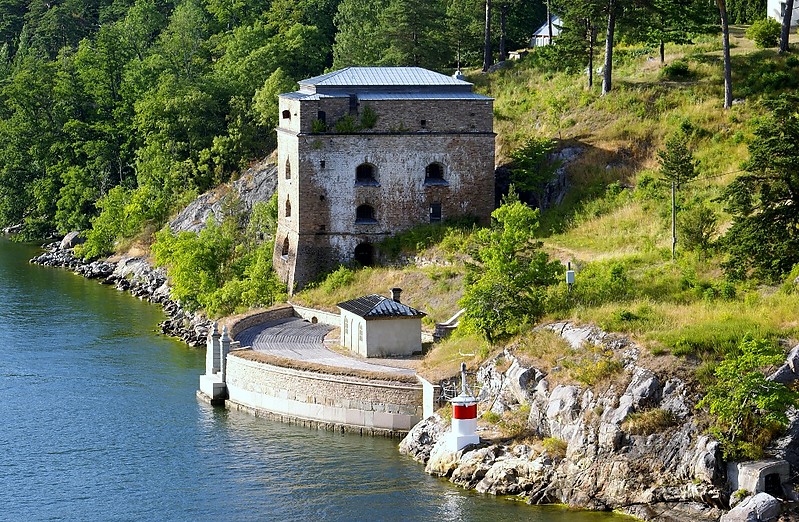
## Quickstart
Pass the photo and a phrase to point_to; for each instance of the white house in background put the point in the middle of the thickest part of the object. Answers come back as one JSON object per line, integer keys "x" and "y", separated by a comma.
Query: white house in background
{"x": 378, "y": 326}
{"x": 541, "y": 35}
{"x": 776, "y": 9}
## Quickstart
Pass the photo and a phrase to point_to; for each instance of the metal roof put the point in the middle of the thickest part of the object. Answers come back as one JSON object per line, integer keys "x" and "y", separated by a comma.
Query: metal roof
{"x": 376, "y": 306}
{"x": 382, "y": 76}
{"x": 423, "y": 96}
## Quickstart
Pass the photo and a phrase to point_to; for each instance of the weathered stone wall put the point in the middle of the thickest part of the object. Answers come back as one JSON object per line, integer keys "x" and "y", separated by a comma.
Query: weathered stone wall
{"x": 240, "y": 323}
{"x": 317, "y": 174}
{"x": 349, "y": 403}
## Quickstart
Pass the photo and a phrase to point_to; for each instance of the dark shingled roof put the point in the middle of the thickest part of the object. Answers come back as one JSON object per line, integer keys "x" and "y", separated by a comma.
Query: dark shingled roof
{"x": 378, "y": 306}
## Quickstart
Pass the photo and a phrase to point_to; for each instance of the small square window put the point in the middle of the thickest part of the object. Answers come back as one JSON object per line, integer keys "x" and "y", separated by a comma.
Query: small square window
{"x": 423, "y": 123}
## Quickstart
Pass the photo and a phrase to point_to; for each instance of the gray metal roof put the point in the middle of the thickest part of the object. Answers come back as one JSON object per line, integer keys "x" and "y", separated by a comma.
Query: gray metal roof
{"x": 422, "y": 96}
{"x": 382, "y": 76}
{"x": 376, "y": 306}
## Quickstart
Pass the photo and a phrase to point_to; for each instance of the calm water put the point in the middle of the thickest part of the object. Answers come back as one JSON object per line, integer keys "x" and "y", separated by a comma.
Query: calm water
{"x": 100, "y": 422}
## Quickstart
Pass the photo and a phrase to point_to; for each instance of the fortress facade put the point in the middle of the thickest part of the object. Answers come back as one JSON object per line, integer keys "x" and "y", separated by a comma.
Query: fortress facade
{"x": 366, "y": 152}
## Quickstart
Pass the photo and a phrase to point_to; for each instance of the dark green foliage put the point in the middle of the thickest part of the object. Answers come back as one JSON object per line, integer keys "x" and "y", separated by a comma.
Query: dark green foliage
{"x": 697, "y": 226}
{"x": 745, "y": 11}
{"x": 763, "y": 241}
{"x": 747, "y": 408}
{"x": 765, "y": 33}
{"x": 677, "y": 164}
{"x": 532, "y": 166}
{"x": 506, "y": 282}
{"x": 224, "y": 268}
{"x": 676, "y": 71}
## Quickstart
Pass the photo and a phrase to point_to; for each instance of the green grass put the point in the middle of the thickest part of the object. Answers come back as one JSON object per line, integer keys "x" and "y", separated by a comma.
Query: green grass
{"x": 614, "y": 225}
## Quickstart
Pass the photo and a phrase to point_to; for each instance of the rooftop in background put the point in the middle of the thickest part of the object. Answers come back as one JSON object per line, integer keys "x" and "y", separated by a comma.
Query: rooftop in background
{"x": 378, "y": 306}
{"x": 404, "y": 81}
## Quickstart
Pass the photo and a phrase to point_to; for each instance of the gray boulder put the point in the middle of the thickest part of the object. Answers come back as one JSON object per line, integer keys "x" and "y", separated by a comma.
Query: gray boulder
{"x": 758, "y": 508}
{"x": 71, "y": 240}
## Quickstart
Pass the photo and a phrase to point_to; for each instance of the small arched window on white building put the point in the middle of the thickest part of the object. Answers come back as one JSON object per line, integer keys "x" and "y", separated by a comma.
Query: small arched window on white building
{"x": 366, "y": 174}
{"x": 285, "y": 251}
{"x": 365, "y": 215}
{"x": 288, "y": 169}
{"x": 434, "y": 174}
{"x": 286, "y": 115}
{"x": 288, "y": 209}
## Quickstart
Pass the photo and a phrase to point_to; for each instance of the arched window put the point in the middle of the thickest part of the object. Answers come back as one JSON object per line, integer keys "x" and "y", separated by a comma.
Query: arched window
{"x": 434, "y": 174}
{"x": 365, "y": 214}
{"x": 288, "y": 169}
{"x": 288, "y": 208}
{"x": 364, "y": 254}
{"x": 365, "y": 174}
{"x": 287, "y": 115}
{"x": 285, "y": 251}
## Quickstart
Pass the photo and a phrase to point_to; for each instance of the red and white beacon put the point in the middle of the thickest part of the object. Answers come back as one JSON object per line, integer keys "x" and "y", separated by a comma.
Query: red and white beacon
{"x": 464, "y": 417}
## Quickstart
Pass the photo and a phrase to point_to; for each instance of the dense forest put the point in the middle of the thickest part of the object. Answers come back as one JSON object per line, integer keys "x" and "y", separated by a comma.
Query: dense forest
{"x": 113, "y": 112}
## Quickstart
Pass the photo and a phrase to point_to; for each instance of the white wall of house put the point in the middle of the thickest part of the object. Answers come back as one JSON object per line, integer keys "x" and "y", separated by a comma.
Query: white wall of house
{"x": 775, "y": 9}
{"x": 393, "y": 336}
{"x": 353, "y": 332}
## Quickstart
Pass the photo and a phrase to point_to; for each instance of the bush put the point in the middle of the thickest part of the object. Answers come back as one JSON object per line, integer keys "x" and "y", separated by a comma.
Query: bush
{"x": 555, "y": 448}
{"x": 765, "y": 33}
{"x": 676, "y": 71}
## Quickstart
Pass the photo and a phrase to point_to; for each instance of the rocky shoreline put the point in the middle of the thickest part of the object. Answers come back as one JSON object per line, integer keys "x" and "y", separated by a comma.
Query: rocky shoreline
{"x": 137, "y": 276}
{"x": 582, "y": 454}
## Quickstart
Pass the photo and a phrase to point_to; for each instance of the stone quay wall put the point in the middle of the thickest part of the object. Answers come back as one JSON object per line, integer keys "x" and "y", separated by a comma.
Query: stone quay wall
{"x": 326, "y": 401}
{"x": 313, "y": 398}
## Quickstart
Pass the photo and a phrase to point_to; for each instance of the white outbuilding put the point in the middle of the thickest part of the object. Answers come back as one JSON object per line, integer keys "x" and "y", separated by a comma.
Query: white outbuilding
{"x": 541, "y": 35}
{"x": 378, "y": 326}
{"x": 776, "y": 9}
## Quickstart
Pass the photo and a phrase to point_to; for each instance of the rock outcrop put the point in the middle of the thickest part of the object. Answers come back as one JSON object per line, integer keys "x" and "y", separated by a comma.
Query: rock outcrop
{"x": 585, "y": 455}
{"x": 257, "y": 184}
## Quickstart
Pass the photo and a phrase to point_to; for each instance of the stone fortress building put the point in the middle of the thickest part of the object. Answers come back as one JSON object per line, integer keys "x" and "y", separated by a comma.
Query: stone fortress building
{"x": 366, "y": 152}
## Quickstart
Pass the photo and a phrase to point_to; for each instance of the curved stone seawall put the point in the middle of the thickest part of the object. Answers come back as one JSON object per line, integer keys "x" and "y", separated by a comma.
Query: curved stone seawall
{"x": 315, "y": 398}
{"x": 326, "y": 401}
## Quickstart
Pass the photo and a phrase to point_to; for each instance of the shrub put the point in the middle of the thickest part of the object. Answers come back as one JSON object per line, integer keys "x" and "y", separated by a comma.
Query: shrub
{"x": 676, "y": 71}
{"x": 747, "y": 408}
{"x": 765, "y": 33}
{"x": 555, "y": 448}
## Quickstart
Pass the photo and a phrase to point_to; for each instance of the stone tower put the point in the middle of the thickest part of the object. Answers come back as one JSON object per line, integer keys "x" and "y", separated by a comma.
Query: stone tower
{"x": 366, "y": 152}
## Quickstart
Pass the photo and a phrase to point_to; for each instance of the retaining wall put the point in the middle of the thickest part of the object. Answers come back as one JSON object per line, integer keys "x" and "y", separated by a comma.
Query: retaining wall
{"x": 317, "y": 399}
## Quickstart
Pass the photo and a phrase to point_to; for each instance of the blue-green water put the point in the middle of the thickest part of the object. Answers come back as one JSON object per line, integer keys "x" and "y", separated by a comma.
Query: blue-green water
{"x": 100, "y": 422}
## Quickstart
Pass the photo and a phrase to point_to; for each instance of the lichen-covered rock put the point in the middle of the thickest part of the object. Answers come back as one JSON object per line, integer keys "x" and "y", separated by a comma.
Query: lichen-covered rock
{"x": 757, "y": 508}
{"x": 257, "y": 184}
{"x": 598, "y": 465}
{"x": 420, "y": 440}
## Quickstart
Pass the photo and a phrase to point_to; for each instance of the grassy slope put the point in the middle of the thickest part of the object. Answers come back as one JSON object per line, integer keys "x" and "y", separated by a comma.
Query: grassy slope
{"x": 674, "y": 308}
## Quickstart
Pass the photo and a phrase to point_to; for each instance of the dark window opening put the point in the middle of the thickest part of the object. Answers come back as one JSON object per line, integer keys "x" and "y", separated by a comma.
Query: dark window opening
{"x": 365, "y": 214}
{"x": 424, "y": 123}
{"x": 288, "y": 209}
{"x": 287, "y": 115}
{"x": 353, "y": 104}
{"x": 434, "y": 174}
{"x": 365, "y": 173}
{"x": 321, "y": 197}
{"x": 285, "y": 251}
{"x": 435, "y": 212}
{"x": 772, "y": 485}
{"x": 322, "y": 164}
{"x": 288, "y": 170}
{"x": 364, "y": 254}
{"x": 321, "y": 116}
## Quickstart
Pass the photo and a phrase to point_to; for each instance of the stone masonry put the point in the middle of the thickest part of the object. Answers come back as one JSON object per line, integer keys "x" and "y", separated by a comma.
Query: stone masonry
{"x": 345, "y": 183}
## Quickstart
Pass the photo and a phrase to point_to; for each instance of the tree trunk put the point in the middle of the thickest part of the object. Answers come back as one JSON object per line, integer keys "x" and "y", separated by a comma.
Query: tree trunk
{"x": 725, "y": 44}
{"x": 503, "y": 17}
{"x": 662, "y": 52}
{"x": 487, "y": 59}
{"x": 549, "y": 22}
{"x": 786, "y": 26}
{"x": 607, "y": 73}
{"x": 591, "y": 40}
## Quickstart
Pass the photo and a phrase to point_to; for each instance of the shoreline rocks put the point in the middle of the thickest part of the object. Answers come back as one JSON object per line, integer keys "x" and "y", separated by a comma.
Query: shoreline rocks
{"x": 136, "y": 276}
{"x": 581, "y": 452}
